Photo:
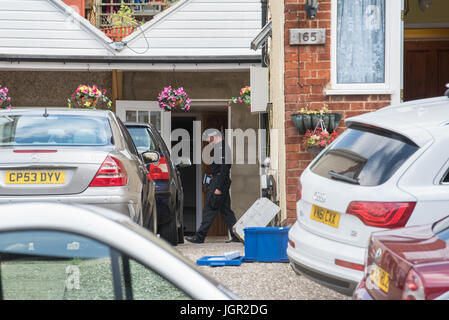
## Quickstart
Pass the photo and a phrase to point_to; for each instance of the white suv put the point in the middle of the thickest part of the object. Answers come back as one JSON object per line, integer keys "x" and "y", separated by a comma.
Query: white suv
{"x": 389, "y": 169}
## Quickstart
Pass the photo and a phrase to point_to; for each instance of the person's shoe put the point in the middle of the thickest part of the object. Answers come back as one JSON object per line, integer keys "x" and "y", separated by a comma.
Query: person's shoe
{"x": 194, "y": 239}
{"x": 233, "y": 240}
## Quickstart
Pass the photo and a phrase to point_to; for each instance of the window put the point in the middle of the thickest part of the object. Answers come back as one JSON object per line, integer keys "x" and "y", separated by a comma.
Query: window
{"x": 147, "y": 285}
{"x": 142, "y": 139}
{"x": 361, "y": 41}
{"x": 366, "y": 47}
{"x": 53, "y": 265}
{"x": 366, "y": 156}
{"x": 57, "y": 130}
{"x": 143, "y": 116}
{"x": 128, "y": 140}
{"x": 146, "y": 112}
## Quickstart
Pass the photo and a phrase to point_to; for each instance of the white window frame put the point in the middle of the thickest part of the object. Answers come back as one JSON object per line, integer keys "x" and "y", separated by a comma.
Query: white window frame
{"x": 130, "y": 105}
{"x": 393, "y": 40}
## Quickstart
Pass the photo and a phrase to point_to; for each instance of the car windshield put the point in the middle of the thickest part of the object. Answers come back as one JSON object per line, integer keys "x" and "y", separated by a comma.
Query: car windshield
{"x": 64, "y": 130}
{"x": 142, "y": 139}
{"x": 364, "y": 156}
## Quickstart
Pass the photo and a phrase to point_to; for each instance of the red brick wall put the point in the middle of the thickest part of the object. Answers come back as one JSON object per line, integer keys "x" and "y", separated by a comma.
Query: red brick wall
{"x": 77, "y": 5}
{"x": 307, "y": 73}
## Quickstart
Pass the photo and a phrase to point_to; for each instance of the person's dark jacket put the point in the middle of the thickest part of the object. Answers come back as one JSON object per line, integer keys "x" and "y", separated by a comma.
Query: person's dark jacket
{"x": 221, "y": 166}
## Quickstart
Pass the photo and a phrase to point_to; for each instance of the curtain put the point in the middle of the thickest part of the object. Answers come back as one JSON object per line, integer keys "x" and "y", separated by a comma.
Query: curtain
{"x": 361, "y": 41}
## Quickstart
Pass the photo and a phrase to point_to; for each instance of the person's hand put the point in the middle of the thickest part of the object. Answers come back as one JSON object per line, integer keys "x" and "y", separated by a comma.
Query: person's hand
{"x": 217, "y": 192}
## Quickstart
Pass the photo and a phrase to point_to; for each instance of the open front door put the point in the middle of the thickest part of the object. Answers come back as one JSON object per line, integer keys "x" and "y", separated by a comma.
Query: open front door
{"x": 426, "y": 49}
{"x": 146, "y": 112}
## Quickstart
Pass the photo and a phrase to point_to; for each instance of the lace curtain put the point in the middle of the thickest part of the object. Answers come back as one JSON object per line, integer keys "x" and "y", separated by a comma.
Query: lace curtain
{"x": 361, "y": 41}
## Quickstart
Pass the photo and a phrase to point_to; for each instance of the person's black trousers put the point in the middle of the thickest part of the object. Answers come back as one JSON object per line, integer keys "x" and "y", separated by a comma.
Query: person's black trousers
{"x": 212, "y": 205}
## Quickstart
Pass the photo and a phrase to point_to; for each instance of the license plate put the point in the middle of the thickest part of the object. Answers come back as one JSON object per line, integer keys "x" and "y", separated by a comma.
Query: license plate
{"x": 380, "y": 277}
{"x": 329, "y": 217}
{"x": 35, "y": 177}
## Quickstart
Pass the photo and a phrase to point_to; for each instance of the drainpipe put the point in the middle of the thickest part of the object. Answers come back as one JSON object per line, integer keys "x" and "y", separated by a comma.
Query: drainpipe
{"x": 264, "y": 117}
{"x": 264, "y": 21}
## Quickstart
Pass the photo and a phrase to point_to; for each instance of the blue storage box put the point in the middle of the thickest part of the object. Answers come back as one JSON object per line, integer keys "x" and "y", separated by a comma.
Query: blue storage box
{"x": 266, "y": 244}
{"x": 219, "y": 261}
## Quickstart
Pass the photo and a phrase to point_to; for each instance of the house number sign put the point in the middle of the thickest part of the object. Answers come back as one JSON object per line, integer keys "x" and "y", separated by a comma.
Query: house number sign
{"x": 307, "y": 36}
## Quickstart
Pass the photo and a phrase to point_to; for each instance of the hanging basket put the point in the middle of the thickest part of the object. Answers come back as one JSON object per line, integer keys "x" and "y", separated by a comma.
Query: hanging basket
{"x": 304, "y": 122}
{"x": 5, "y": 100}
{"x": 315, "y": 151}
{"x": 334, "y": 121}
{"x": 89, "y": 97}
{"x": 171, "y": 99}
{"x": 89, "y": 103}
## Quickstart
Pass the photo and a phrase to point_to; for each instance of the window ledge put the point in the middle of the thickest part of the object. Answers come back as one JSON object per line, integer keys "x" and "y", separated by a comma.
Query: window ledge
{"x": 341, "y": 92}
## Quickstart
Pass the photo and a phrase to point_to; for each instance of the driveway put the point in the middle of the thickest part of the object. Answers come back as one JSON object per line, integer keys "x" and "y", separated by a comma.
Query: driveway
{"x": 257, "y": 281}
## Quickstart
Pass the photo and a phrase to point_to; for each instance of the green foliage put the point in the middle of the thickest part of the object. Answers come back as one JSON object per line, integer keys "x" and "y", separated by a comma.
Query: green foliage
{"x": 124, "y": 18}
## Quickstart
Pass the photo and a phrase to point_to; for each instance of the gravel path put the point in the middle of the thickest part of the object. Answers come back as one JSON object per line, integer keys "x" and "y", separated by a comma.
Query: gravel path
{"x": 257, "y": 281}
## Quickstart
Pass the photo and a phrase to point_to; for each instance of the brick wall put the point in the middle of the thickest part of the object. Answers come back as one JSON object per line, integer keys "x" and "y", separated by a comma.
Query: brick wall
{"x": 307, "y": 73}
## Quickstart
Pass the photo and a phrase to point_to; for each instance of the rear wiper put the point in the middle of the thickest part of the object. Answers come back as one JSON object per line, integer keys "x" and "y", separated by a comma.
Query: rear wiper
{"x": 341, "y": 177}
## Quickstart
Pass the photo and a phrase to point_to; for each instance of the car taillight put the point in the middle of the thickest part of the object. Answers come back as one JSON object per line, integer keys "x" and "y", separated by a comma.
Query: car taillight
{"x": 388, "y": 215}
{"x": 298, "y": 191}
{"x": 111, "y": 174}
{"x": 413, "y": 287}
{"x": 292, "y": 244}
{"x": 160, "y": 171}
{"x": 349, "y": 265}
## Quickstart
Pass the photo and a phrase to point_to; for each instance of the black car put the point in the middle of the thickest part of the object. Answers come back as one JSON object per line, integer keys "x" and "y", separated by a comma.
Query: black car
{"x": 169, "y": 193}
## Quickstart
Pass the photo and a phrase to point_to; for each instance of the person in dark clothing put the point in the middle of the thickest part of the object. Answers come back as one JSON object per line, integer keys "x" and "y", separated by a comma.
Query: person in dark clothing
{"x": 218, "y": 197}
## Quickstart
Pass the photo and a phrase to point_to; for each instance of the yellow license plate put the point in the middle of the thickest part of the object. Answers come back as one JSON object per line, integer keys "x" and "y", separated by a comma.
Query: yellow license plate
{"x": 35, "y": 177}
{"x": 325, "y": 216}
{"x": 380, "y": 277}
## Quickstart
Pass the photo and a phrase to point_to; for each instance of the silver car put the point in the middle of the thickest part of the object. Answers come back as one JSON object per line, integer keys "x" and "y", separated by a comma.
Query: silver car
{"x": 74, "y": 156}
{"x": 54, "y": 251}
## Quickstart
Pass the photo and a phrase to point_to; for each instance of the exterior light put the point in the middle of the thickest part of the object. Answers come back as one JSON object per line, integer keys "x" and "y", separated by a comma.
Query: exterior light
{"x": 424, "y": 4}
{"x": 311, "y": 8}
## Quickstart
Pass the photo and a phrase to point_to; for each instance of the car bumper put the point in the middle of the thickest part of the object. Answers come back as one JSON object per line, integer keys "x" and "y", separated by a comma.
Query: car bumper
{"x": 361, "y": 293}
{"x": 315, "y": 257}
{"x": 120, "y": 204}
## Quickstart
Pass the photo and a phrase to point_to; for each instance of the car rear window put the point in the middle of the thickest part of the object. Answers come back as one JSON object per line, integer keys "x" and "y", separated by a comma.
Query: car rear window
{"x": 64, "y": 130}
{"x": 365, "y": 156}
{"x": 142, "y": 139}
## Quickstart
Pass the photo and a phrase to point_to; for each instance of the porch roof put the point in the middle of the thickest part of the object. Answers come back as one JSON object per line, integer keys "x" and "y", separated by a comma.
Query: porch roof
{"x": 48, "y": 34}
{"x": 48, "y": 28}
{"x": 199, "y": 28}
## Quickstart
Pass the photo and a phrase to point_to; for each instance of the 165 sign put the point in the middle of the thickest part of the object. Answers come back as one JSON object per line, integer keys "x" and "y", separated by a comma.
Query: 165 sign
{"x": 307, "y": 36}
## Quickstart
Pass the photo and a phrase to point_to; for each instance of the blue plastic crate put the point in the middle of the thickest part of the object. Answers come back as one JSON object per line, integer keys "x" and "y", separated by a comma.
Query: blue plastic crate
{"x": 266, "y": 244}
{"x": 218, "y": 261}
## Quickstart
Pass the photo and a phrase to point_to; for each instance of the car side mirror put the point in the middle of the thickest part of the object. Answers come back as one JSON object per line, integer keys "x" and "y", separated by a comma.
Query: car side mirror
{"x": 183, "y": 162}
{"x": 151, "y": 156}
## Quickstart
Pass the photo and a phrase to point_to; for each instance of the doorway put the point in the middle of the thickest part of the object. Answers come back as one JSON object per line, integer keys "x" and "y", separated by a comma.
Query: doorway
{"x": 216, "y": 120}
{"x": 426, "y": 49}
{"x": 189, "y": 178}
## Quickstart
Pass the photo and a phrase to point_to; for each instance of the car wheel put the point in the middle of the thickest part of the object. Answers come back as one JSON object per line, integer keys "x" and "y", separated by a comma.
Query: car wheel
{"x": 181, "y": 234}
{"x": 169, "y": 232}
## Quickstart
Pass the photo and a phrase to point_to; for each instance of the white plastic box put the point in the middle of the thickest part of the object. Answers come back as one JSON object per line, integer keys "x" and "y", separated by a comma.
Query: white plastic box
{"x": 258, "y": 215}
